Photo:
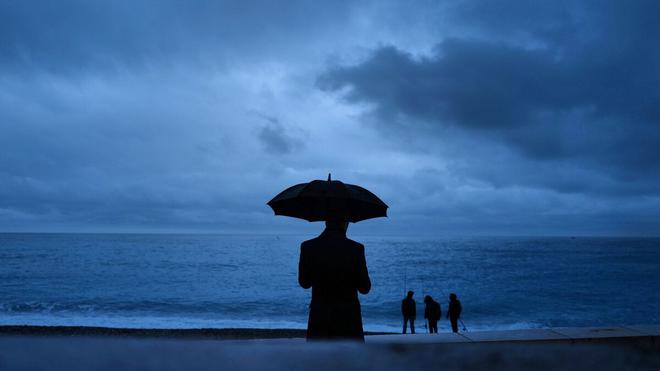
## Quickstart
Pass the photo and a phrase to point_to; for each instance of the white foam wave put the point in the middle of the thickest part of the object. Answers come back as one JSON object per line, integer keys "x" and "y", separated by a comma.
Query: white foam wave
{"x": 162, "y": 322}
{"x": 144, "y": 322}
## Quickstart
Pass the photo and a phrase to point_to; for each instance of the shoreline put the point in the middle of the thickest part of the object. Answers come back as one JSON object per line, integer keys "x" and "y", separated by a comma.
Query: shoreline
{"x": 649, "y": 334}
{"x": 197, "y": 333}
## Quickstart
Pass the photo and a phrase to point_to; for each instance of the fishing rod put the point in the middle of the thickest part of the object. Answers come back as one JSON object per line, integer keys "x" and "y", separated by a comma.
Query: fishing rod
{"x": 463, "y": 324}
{"x": 405, "y": 284}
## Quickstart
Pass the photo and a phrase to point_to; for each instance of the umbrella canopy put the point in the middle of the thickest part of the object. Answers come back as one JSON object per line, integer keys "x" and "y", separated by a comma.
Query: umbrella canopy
{"x": 319, "y": 199}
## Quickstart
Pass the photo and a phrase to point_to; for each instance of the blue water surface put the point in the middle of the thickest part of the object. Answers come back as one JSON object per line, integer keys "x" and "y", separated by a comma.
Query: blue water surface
{"x": 189, "y": 281}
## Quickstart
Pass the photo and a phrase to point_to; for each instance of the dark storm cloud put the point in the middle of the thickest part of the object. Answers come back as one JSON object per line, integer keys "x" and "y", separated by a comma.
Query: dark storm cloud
{"x": 77, "y": 36}
{"x": 132, "y": 113}
{"x": 572, "y": 85}
{"x": 501, "y": 117}
{"x": 276, "y": 139}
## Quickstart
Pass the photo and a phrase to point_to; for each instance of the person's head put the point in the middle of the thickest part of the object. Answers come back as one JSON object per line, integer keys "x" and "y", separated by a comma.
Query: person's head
{"x": 337, "y": 223}
{"x": 337, "y": 218}
{"x": 410, "y": 294}
{"x": 428, "y": 299}
{"x": 452, "y": 296}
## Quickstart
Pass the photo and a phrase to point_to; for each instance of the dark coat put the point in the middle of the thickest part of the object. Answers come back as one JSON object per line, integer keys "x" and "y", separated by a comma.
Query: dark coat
{"x": 336, "y": 270}
{"x": 454, "y": 311}
{"x": 408, "y": 308}
{"x": 432, "y": 311}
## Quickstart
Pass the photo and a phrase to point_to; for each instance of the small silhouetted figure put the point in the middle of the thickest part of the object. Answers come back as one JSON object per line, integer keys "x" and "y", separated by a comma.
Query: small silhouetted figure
{"x": 409, "y": 312}
{"x": 454, "y": 312}
{"x": 432, "y": 313}
{"x": 336, "y": 270}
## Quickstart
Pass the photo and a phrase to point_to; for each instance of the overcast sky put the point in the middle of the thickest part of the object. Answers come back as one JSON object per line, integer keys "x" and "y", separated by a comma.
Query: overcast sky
{"x": 465, "y": 117}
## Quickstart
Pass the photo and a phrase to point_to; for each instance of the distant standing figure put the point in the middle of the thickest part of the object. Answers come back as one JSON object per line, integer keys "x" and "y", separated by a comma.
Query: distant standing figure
{"x": 432, "y": 313}
{"x": 454, "y": 312}
{"x": 336, "y": 270}
{"x": 409, "y": 311}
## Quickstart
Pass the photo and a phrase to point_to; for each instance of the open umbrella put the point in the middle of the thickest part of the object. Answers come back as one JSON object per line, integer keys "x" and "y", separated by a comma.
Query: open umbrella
{"x": 316, "y": 200}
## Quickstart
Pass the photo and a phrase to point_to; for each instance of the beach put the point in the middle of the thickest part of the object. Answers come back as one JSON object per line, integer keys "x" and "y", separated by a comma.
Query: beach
{"x": 641, "y": 334}
{"x": 206, "y": 333}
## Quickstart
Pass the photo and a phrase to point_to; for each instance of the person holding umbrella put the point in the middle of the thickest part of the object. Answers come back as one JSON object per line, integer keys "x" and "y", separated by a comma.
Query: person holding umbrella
{"x": 336, "y": 269}
{"x": 332, "y": 265}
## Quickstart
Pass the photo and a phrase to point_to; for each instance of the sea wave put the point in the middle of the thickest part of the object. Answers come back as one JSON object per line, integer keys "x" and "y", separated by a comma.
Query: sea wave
{"x": 116, "y": 320}
{"x": 162, "y": 307}
{"x": 142, "y": 322}
{"x": 166, "y": 281}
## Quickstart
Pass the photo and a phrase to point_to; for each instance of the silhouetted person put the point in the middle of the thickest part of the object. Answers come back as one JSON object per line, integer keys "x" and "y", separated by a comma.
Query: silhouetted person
{"x": 336, "y": 270}
{"x": 409, "y": 312}
{"x": 432, "y": 313}
{"x": 454, "y": 312}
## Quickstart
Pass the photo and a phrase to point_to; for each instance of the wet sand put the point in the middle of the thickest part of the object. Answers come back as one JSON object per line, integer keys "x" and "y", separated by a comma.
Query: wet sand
{"x": 206, "y": 333}
{"x": 211, "y": 333}
{"x": 648, "y": 335}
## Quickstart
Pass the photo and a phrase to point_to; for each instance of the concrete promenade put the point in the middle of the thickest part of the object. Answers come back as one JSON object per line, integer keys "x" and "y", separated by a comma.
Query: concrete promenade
{"x": 649, "y": 334}
{"x": 602, "y": 348}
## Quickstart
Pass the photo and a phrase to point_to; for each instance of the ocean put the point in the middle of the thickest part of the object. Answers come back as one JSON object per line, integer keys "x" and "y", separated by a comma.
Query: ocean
{"x": 193, "y": 281}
